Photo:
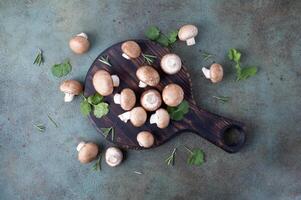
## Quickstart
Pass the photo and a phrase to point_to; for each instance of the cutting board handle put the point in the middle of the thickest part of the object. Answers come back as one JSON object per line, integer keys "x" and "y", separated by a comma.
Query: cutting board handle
{"x": 223, "y": 132}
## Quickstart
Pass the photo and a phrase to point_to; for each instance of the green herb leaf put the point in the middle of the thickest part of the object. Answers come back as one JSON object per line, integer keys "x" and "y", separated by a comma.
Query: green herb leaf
{"x": 171, "y": 159}
{"x": 95, "y": 99}
{"x": 85, "y": 107}
{"x": 101, "y": 109}
{"x": 163, "y": 40}
{"x": 39, "y": 58}
{"x": 177, "y": 113}
{"x": 172, "y": 37}
{"x": 152, "y": 33}
{"x": 62, "y": 69}
{"x": 40, "y": 127}
{"x": 206, "y": 56}
{"x": 54, "y": 123}
{"x": 234, "y": 55}
{"x": 107, "y": 131}
{"x": 247, "y": 72}
{"x": 105, "y": 60}
{"x": 196, "y": 157}
{"x": 97, "y": 164}
{"x": 223, "y": 99}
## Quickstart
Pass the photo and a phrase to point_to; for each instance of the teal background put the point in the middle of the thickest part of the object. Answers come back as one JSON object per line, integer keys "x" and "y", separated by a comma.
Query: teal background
{"x": 44, "y": 165}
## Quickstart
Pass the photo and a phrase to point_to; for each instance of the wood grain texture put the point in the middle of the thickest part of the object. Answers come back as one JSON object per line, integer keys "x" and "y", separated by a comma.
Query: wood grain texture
{"x": 210, "y": 126}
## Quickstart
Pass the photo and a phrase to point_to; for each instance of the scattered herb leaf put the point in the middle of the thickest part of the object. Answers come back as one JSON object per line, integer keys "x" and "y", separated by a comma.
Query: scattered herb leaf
{"x": 107, "y": 131}
{"x": 171, "y": 159}
{"x": 101, "y": 109}
{"x": 196, "y": 157}
{"x": 206, "y": 56}
{"x": 163, "y": 40}
{"x": 177, "y": 113}
{"x": 149, "y": 58}
{"x": 223, "y": 99}
{"x": 136, "y": 172}
{"x": 172, "y": 37}
{"x": 95, "y": 99}
{"x": 105, "y": 60}
{"x": 54, "y": 123}
{"x": 97, "y": 164}
{"x": 39, "y": 58}
{"x": 152, "y": 33}
{"x": 247, "y": 72}
{"x": 62, "y": 69}
{"x": 40, "y": 127}
{"x": 85, "y": 107}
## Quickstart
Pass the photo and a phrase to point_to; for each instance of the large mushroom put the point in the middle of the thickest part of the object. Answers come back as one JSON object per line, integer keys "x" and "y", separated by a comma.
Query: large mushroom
{"x": 171, "y": 63}
{"x": 137, "y": 116}
{"x": 187, "y": 33}
{"x": 160, "y": 117}
{"x": 151, "y": 100}
{"x": 172, "y": 94}
{"x": 87, "y": 152}
{"x": 145, "y": 139}
{"x": 113, "y": 156}
{"x": 126, "y": 99}
{"x": 130, "y": 49}
{"x": 79, "y": 44}
{"x": 71, "y": 88}
{"x": 147, "y": 76}
{"x": 104, "y": 83}
{"x": 215, "y": 73}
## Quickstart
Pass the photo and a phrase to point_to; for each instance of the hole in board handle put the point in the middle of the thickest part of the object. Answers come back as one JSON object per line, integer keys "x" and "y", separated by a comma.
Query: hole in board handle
{"x": 234, "y": 136}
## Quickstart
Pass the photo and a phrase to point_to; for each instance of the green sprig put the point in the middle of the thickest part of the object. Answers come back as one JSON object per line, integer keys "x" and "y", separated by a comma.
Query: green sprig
{"x": 149, "y": 58}
{"x": 105, "y": 60}
{"x": 170, "y": 161}
{"x": 39, "y": 58}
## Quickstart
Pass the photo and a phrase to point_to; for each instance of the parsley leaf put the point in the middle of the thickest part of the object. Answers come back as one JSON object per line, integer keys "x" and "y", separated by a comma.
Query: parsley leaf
{"x": 234, "y": 55}
{"x": 196, "y": 157}
{"x": 152, "y": 33}
{"x": 163, "y": 40}
{"x": 107, "y": 131}
{"x": 95, "y": 99}
{"x": 97, "y": 164}
{"x": 62, "y": 69}
{"x": 85, "y": 107}
{"x": 101, "y": 109}
{"x": 247, "y": 72}
{"x": 39, "y": 58}
{"x": 172, "y": 36}
{"x": 177, "y": 113}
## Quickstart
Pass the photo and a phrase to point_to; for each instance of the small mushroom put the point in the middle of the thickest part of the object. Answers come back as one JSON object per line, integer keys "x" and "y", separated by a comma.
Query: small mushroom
{"x": 151, "y": 100}
{"x": 79, "y": 44}
{"x": 87, "y": 152}
{"x": 172, "y": 94}
{"x": 187, "y": 33}
{"x": 215, "y": 73}
{"x": 130, "y": 50}
{"x": 171, "y": 63}
{"x": 145, "y": 139}
{"x": 113, "y": 156}
{"x": 147, "y": 76}
{"x": 71, "y": 88}
{"x": 126, "y": 99}
{"x": 137, "y": 116}
{"x": 104, "y": 83}
{"x": 161, "y": 118}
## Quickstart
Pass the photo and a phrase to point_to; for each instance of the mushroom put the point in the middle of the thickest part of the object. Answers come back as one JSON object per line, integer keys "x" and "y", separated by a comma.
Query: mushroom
{"x": 126, "y": 99}
{"x": 160, "y": 117}
{"x": 147, "y": 76}
{"x": 171, "y": 63}
{"x": 87, "y": 152}
{"x": 103, "y": 82}
{"x": 145, "y": 139}
{"x": 130, "y": 50}
{"x": 151, "y": 100}
{"x": 71, "y": 88}
{"x": 79, "y": 44}
{"x": 172, "y": 94}
{"x": 187, "y": 33}
{"x": 113, "y": 156}
{"x": 137, "y": 116}
{"x": 215, "y": 73}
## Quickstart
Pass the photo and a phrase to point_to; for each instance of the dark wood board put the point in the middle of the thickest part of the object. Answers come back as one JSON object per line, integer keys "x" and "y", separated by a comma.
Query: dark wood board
{"x": 223, "y": 132}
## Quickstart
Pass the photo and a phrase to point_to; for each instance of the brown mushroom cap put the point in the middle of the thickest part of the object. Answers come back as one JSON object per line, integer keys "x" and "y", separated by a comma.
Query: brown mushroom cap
{"x": 131, "y": 49}
{"x": 216, "y": 73}
{"x": 172, "y": 94}
{"x": 138, "y": 116}
{"x": 145, "y": 139}
{"x": 148, "y": 75}
{"x": 103, "y": 83}
{"x": 71, "y": 87}
{"x": 151, "y": 100}
{"x": 163, "y": 118}
{"x": 187, "y": 31}
{"x": 79, "y": 44}
{"x": 88, "y": 152}
{"x": 127, "y": 99}
{"x": 171, "y": 63}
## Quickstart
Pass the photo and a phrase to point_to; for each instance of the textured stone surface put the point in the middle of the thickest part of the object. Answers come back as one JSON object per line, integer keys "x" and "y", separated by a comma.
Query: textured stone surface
{"x": 44, "y": 165}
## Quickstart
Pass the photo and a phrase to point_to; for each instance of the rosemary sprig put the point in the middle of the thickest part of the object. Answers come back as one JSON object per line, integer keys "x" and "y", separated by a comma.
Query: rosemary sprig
{"x": 223, "y": 99}
{"x": 97, "y": 164}
{"x": 40, "y": 127}
{"x": 105, "y": 60}
{"x": 39, "y": 58}
{"x": 55, "y": 124}
{"x": 149, "y": 58}
{"x": 171, "y": 159}
{"x": 206, "y": 56}
{"x": 107, "y": 131}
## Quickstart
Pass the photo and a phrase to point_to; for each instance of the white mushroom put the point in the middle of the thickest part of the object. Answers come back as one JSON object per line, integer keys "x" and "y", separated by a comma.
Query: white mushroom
{"x": 113, "y": 156}
{"x": 161, "y": 118}
{"x": 147, "y": 76}
{"x": 151, "y": 100}
{"x": 215, "y": 73}
{"x": 130, "y": 50}
{"x": 79, "y": 44}
{"x": 171, "y": 63}
{"x": 126, "y": 99}
{"x": 145, "y": 139}
{"x": 104, "y": 83}
{"x": 137, "y": 116}
{"x": 71, "y": 88}
{"x": 172, "y": 95}
{"x": 87, "y": 152}
{"x": 187, "y": 33}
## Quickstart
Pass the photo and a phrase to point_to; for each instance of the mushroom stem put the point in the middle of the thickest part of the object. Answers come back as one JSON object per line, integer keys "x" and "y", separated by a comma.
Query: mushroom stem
{"x": 115, "y": 80}
{"x": 190, "y": 41}
{"x": 80, "y": 146}
{"x": 68, "y": 97}
{"x": 206, "y": 72}
{"x": 117, "y": 98}
{"x": 126, "y": 56}
{"x": 142, "y": 84}
{"x": 153, "y": 119}
{"x": 83, "y": 35}
{"x": 125, "y": 116}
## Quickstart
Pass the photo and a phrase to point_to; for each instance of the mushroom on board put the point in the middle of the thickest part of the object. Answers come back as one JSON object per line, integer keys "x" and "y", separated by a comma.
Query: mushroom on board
{"x": 160, "y": 117}
{"x": 130, "y": 50}
{"x": 145, "y": 139}
{"x": 147, "y": 76}
{"x": 172, "y": 94}
{"x": 104, "y": 83}
{"x": 151, "y": 100}
{"x": 113, "y": 156}
{"x": 79, "y": 44}
{"x": 137, "y": 116}
{"x": 71, "y": 88}
{"x": 215, "y": 73}
{"x": 188, "y": 33}
{"x": 171, "y": 63}
{"x": 126, "y": 99}
{"x": 87, "y": 152}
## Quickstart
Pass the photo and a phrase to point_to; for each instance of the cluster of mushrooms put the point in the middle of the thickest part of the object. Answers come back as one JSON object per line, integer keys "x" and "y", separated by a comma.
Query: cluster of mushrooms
{"x": 150, "y": 100}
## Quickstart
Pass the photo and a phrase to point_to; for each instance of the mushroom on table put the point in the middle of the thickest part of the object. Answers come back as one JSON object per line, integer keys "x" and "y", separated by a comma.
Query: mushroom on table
{"x": 126, "y": 99}
{"x": 104, "y": 83}
{"x": 171, "y": 63}
{"x": 215, "y": 73}
{"x": 137, "y": 116}
{"x": 87, "y": 152}
{"x": 147, "y": 76}
{"x": 145, "y": 139}
{"x": 113, "y": 156}
{"x": 161, "y": 118}
{"x": 71, "y": 88}
{"x": 188, "y": 33}
{"x": 151, "y": 100}
{"x": 172, "y": 94}
{"x": 79, "y": 44}
{"x": 130, "y": 50}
